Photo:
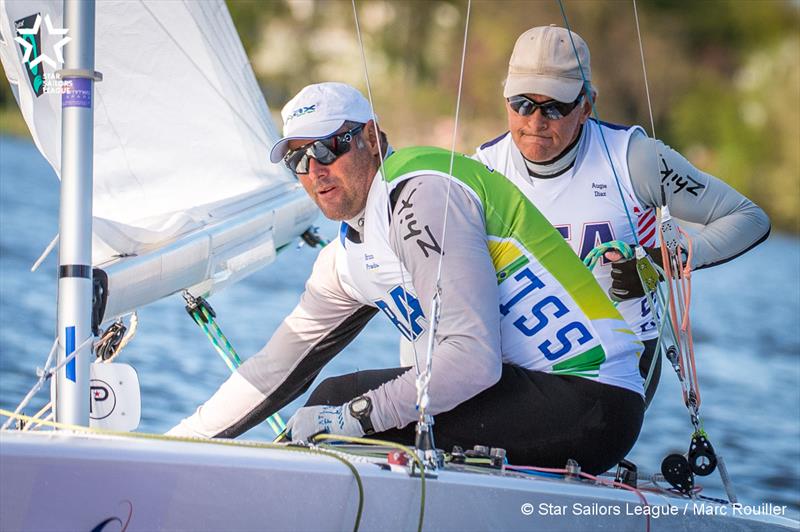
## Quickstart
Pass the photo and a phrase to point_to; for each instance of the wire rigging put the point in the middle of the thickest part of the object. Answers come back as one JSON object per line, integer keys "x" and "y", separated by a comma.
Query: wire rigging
{"x": 423, "y": 380}
{"x": 381, "y": 158}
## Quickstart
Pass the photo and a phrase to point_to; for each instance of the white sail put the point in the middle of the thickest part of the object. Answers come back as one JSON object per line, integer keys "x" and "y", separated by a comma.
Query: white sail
{"x": 184, "y": 193}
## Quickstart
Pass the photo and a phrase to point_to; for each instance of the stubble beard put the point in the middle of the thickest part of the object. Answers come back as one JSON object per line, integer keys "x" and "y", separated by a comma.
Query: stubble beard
{"x": 353, "y": 198}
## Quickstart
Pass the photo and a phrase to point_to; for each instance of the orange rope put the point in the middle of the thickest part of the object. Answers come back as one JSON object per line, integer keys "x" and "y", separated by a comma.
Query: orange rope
{"x": 680, "y": 282}
{"x": 598, "y": 480}
{"x": 666, "y": 261}
{"x": 685, "y": 325}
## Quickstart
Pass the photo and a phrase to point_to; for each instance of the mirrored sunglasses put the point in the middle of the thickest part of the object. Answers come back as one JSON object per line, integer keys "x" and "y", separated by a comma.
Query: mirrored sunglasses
{"x": 551, "y": 109}
{"x": 325, "y": 151}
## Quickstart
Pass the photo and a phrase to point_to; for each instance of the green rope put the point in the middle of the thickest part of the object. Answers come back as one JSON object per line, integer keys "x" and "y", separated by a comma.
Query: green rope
{"x": 218, "y": 348}
{"x": 203, "y": 316}
{"x": 228, "y": 347}
{"x": 623, "y": 248}
{"x": 597, "y": 253}
{"x": 370, "y": 441}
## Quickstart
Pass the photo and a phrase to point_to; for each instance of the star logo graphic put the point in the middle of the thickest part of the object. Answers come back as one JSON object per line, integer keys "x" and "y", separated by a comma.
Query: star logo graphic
{"x": 58, "y": 47}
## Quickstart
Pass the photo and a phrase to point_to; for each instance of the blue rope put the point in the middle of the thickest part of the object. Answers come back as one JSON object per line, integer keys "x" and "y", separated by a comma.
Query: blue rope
{"x": 597, "y": 117}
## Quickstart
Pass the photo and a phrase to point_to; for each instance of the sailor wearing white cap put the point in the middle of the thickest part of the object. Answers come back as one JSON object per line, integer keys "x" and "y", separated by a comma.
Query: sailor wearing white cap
{"x": 530, "y": 355}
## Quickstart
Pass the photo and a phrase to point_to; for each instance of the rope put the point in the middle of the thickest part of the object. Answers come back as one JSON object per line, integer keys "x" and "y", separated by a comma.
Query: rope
{"x": 726, "y": 479}
{"x": 594, "y": 256}
{"x": 203, "y": 315}
{"x": 45, "y": 253}
{"x": 678, "y": 277}
{"x": 624, "y": 249}
{"x": 227, "y": 353}
{"x": 114, "y": 340}
{"x": 46, "y": 374}
{"x": 589, "y": 97}
{"x": 382, "y": 170}
{"x": 597, "y": 480}
{"x": 644, "y": 266}
{"x": 129, "y": 334}
{"x": 673, "y": 265}
{"x": 226, "y": 442}
{"x": 644, "y": 70}
{"x": 37, "y": 415}
{"x": 424, "y": 379}
{"x": 393, "y": 445}
{"x": 646, "y": 85}
{"x": 676, "y": 273}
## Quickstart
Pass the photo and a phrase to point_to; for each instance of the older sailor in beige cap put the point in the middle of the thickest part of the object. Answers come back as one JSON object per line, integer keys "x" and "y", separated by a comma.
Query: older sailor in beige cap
{"x": 572, "y": 168}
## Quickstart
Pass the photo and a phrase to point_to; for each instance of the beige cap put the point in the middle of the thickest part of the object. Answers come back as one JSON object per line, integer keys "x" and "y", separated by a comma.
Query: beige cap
{"x": 543, "y": 62}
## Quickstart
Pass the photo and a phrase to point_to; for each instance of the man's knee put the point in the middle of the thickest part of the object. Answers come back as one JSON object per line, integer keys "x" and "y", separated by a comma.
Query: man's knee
{"x": 332, "y": 391}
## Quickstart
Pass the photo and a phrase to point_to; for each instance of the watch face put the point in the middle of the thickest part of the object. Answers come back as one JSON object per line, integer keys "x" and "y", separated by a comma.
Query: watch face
{"x": 359, "y": 405}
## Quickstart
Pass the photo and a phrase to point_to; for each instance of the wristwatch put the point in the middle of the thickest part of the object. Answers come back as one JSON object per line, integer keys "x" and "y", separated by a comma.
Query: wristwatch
{"x": 361, "y": 408}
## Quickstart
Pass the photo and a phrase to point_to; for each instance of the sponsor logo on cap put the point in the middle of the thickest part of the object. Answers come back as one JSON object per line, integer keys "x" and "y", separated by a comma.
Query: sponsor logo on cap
{"x": 301, "y": 111}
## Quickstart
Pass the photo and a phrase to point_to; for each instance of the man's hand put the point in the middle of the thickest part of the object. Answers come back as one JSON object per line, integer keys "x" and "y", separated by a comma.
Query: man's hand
{"x": 625, "y": 282}
{"x": 311, "y": 420}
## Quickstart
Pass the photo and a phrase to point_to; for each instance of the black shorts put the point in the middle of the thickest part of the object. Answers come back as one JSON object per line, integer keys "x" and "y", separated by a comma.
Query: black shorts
{"x": 539, "y": 418}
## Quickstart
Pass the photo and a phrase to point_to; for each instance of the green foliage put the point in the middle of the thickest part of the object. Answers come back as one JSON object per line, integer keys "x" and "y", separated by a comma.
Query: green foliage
{"x": 736, "y": 26}
{"x": 249, "y": 16}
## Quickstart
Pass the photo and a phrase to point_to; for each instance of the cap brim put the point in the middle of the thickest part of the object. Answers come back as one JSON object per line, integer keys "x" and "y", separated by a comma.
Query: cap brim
{"x": 563, "y": 90}
{"x": 316, "y": 130}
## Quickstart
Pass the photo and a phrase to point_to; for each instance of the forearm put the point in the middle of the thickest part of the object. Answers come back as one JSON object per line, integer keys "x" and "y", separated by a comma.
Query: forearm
{"x": 321, "y": 325}
{"x": 727, "y": 223}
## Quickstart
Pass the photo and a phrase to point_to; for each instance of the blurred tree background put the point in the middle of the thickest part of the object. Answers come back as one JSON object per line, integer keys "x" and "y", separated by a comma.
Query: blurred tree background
{"x": 724, "y": 75}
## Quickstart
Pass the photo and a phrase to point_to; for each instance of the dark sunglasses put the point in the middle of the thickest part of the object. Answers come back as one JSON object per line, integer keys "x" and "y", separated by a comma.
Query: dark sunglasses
{"x": 325, "y": 151}
{"x": 551, "y": 109}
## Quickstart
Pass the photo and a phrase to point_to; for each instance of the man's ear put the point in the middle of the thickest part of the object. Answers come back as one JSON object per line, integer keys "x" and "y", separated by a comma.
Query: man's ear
{"x": 372, "y": 138}
{"x": 586, "y": 107}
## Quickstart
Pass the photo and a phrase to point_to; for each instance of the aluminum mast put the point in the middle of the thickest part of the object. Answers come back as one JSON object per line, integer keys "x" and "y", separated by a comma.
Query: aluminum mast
{"x": 75, "y": 221}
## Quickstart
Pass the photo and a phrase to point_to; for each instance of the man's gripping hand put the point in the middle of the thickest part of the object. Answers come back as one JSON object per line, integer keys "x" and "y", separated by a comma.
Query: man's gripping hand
{"x": 625, "y": 282}
{"x": 311, "y": 420}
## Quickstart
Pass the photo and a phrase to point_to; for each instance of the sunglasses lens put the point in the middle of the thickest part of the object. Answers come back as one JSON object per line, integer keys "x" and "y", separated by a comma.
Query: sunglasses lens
{"x": 302, "y": 164}
{"x": 322, "y": 152}
{"x": 521, "y": 106}
{"x": 551, "y": 111}
{"x": 296, "y": 161}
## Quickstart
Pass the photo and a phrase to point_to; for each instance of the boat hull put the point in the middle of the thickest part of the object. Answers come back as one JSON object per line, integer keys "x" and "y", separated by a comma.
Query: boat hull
{"x": 63, "y": 481}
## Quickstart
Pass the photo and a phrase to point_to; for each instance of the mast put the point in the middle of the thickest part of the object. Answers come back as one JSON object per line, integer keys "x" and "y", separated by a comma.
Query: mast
{"x": 75, "y": 220}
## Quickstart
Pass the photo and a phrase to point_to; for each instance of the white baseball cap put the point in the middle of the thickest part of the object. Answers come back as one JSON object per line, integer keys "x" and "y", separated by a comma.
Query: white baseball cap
{"x": 544, "y": 62}
{"x": 318, "y": 111}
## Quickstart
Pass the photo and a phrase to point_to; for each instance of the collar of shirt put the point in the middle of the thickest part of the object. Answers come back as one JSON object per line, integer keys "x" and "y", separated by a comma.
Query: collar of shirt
{"x": 558, "y": 165}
